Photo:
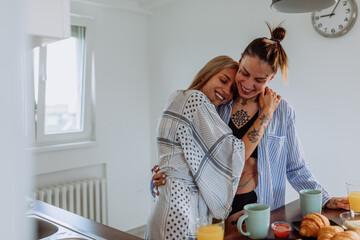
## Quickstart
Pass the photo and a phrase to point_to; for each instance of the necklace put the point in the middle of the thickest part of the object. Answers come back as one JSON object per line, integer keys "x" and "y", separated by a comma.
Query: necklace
{"x": 242, "y": 101}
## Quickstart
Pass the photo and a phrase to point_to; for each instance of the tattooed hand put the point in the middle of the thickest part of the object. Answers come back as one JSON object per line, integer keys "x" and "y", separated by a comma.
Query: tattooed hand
{"x": 269, "y": 99}
{"x": 338, "y": 203}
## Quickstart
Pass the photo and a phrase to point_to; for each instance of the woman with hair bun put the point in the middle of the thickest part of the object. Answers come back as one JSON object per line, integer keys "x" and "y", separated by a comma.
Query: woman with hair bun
{"x": 279, "y": 156}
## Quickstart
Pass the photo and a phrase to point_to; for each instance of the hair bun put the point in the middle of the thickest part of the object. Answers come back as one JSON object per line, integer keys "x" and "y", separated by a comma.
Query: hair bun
{"x": 277, "y": 33}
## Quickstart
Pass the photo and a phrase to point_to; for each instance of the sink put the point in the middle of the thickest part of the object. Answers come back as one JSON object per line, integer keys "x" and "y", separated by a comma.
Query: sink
{"x": 43, "y": 229}
{"x": 47, "y": 228}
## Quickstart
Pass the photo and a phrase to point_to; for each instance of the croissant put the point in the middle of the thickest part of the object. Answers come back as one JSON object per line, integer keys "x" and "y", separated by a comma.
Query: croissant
{"x": 347, "y": 235}
{"x": 311, "y": 224}
{"x": 326, "y": 233}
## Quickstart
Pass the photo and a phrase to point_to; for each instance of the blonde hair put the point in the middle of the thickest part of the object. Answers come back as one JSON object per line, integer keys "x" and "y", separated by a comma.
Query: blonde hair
{"x": 210, "y": 69}
{"x": 270, "y": 50}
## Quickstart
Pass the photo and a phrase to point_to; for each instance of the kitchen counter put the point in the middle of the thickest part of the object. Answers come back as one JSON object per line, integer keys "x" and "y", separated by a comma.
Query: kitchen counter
{"x": 289, "y": 213}
{"x": 78, "y": 223}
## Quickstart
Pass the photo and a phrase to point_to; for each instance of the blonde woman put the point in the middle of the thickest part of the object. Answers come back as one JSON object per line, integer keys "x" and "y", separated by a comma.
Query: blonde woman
{"x": 201, "y": 158}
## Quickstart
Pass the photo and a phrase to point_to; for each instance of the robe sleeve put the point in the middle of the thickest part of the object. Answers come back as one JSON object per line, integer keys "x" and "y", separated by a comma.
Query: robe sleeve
{"x": 215, "y": 158}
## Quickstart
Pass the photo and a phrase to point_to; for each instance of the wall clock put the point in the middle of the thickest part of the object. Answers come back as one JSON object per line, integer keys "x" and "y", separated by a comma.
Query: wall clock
{"x": 336, "y": 20}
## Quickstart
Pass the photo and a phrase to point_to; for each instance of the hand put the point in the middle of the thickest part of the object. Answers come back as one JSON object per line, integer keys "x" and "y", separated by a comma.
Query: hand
{"x": 159, "y": 179}
{"x": 231, "y": 223}
{"x": 332, "y": 13}
{"x": 269, "y": 99}
{"x": 338, "y": 203}
{"x": 327, "y": 15}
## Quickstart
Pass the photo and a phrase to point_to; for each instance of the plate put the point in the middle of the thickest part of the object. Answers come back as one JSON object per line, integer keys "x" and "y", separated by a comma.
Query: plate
{"x": 347, "y": 216}
{"x": 297, "y": 225}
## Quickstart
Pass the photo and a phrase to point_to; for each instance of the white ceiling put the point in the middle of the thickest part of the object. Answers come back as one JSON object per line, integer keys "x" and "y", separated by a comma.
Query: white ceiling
{"x": 151, "y": 4}
{"x": 144, "y": 5}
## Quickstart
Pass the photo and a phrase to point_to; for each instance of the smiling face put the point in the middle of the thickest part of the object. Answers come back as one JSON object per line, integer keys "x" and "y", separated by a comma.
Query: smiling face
{"x": 253, "y": 76}
{"x": 220, "y": 87}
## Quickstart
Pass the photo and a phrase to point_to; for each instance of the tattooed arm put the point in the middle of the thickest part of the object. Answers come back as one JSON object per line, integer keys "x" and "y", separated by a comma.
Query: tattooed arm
{"x": 269, "y": 101}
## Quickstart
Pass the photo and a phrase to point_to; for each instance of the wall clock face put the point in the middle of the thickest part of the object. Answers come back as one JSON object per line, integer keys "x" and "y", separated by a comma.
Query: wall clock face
{"x": 336, "y": 20}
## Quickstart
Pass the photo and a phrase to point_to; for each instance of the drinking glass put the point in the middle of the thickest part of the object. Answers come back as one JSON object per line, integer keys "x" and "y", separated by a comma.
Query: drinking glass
{"x": 353, "y": 189}
{"x": 209, "y": 228}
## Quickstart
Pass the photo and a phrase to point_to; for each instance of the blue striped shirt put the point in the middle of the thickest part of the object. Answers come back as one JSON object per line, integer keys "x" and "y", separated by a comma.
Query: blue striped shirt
{"x": 280, "y": 157}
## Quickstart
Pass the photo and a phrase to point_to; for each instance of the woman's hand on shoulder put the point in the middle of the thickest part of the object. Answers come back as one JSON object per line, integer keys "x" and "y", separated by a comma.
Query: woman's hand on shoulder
{"x": 159, "y": 179}
{"x": 269, "y": 100}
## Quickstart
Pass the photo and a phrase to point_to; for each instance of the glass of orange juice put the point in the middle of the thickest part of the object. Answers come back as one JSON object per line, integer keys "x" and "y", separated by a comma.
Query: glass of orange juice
{"x": 353, "y": 189}
{"x": 209, "y": 228}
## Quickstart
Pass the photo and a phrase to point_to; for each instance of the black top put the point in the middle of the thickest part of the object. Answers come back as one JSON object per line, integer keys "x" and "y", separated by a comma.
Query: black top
{"x": 239, "y": 133}
{"x": 241, "y": 200}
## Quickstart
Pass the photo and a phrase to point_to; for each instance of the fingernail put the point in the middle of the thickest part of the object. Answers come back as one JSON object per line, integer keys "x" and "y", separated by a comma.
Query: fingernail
{"x": 163, "y": 182}
{"x": 163, "y": 176}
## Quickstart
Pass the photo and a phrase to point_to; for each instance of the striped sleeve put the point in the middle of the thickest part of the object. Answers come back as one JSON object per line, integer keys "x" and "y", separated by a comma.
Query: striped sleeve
{"x": 298, "y": 174}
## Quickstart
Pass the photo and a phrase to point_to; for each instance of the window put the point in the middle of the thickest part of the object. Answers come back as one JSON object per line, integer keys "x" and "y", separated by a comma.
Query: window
{"x": 62, "y": 90}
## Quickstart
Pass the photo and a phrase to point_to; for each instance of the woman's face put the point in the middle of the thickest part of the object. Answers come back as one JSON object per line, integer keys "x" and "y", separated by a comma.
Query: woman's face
{"x": 220, "y": 87}
{"x": 253, "y": 76}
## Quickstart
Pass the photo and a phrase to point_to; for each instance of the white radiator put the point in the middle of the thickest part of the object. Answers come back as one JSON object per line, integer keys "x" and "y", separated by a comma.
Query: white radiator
{"x": 86, "y": 198}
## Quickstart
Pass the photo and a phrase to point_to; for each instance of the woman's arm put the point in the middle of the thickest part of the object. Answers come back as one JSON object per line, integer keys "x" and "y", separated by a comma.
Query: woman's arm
{"x": 269, "y": 101}
{"x": 298, "y": 174}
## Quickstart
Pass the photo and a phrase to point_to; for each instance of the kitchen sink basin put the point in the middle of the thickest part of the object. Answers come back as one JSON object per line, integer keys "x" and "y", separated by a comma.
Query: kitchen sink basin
{"x": 50, "y": 229}
{"x": 42, "y": 228}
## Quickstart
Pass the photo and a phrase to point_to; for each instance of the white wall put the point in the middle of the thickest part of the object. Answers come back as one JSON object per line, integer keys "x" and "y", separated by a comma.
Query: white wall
{"x": 141, "y": 58}
{"x": 122, "y": 152}
{"x": 15, "y": 162}
{"x": 324, "y": 79}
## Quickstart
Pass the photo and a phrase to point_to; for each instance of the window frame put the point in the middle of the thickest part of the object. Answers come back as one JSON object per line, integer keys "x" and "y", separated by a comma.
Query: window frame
{"x": 88, "y": 132}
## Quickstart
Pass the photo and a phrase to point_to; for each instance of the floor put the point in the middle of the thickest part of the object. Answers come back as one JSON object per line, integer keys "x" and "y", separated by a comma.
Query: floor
{"x": 139, "y": 232}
